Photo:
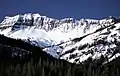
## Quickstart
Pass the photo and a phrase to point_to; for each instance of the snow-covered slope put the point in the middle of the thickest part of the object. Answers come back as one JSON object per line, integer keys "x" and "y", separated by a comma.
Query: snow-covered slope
{"x": 69, "y": 39}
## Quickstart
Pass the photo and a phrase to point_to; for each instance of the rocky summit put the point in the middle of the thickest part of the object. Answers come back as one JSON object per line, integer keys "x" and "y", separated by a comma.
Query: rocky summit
{"x": 75, "y": 41}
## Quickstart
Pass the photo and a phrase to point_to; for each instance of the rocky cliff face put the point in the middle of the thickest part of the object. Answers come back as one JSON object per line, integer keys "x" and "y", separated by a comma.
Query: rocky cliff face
{"x": 73, "y": 40}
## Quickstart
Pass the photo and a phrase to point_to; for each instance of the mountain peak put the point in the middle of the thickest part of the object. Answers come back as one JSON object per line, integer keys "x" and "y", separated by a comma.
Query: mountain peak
{"x": 68, "y": 38}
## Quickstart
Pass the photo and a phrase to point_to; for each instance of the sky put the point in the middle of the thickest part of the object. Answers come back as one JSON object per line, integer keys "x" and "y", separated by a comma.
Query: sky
{"x": 61, "y": 8}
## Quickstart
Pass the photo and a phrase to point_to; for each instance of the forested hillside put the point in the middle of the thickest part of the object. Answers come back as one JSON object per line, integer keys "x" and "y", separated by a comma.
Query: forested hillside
{"x": 19, "y": 58}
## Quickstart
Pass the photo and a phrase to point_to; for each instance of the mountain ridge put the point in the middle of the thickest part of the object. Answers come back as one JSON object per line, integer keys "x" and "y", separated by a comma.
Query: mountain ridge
{"x": 66, "y": 35}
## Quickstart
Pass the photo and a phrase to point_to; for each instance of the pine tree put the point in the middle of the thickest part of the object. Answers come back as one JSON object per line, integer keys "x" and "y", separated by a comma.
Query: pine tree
{"x": 118, "y": 74}
{"x": 17, "y": 70}
{"x": 68, "y": 72}
{"x": 43, "y": 72}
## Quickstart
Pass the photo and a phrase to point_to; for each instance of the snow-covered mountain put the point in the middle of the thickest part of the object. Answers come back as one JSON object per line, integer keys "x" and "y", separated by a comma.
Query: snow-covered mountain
{"x": 68, "y": 38}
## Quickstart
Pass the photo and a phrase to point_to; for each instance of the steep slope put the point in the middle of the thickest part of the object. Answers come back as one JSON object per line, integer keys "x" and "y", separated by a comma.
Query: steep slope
{"x": 69, "y": 39}
{"x": 103, "y": 42}
{"x": 18, "y": 59}
{"x": 18, "y": 51}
